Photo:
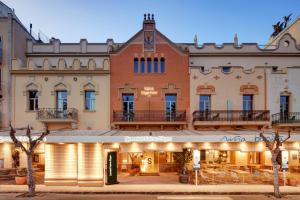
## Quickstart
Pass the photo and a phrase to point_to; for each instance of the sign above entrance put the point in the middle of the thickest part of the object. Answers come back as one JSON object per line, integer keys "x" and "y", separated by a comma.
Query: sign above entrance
{"x": 148, "y": 139}
{"x": 149, "y": 91}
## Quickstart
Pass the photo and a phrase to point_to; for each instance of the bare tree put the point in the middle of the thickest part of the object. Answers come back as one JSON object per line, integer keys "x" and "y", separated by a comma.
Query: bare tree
{"x": 274, "y": 147}
{"x": 32, "y": 144}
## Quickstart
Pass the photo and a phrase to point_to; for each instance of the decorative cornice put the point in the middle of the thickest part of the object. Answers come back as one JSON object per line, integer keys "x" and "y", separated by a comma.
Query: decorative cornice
{"x": 59, "y": 72}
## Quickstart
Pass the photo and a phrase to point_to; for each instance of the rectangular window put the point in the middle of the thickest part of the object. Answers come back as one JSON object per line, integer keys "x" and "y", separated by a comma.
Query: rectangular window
{"x": 136, "y": 65}
{"x": 128, "y": 107}
{"x": 170, "y": 101}
{"x": 62, "y": 100}
{"x": 155, "y": 65}
{"x": 33, "y": 100}
{"x": 142, "y": 65}
{"x": 162, "y": 65}
{"x": 90, "y": 100}
{"x": 149, "y": 67}
{"x": 205, "y": 103}
{"x": 247, "y": 102}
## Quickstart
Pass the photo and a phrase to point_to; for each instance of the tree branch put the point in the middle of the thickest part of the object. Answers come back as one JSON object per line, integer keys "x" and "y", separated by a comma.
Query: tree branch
{"x": 288, "y": 137}
{"x": 12, "y": 134}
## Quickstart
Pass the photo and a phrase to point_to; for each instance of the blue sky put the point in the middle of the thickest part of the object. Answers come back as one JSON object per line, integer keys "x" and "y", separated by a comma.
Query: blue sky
{"x": 212, "y": 20}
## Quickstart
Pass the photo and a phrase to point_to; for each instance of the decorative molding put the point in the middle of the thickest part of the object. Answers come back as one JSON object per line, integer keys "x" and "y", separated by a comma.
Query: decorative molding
{"x": 170, "y": 89}
{"x": 127, "y": 89}
{"x": 32, "y": 85}
{"x": 249, "y": 89}
{"x": 60, "y": 85}
{"x": 205, "y": 89}
{"x": 89, "y": 86}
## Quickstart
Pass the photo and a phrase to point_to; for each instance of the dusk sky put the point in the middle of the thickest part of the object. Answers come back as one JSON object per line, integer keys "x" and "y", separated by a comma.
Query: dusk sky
{"x": 213, "y": 21}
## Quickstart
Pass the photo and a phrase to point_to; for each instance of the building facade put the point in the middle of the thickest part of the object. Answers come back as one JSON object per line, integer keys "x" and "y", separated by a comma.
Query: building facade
{"x": 148, "y": 99}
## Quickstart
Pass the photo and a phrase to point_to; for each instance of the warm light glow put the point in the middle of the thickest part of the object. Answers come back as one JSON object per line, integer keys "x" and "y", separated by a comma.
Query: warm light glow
{"x": 90, "y": 165}
{"x": 224, "y": 146}
{"x": 170, "y": 146}
{"x": 296, "y": 145}
{"x": 61, "y": 161}
{"x": 207, "y": 145}
{"x": 188, "y": 145}
{"x": 61, "y": 143}
{"x": 243, "y": 146}
{"x": 115, "y": 145}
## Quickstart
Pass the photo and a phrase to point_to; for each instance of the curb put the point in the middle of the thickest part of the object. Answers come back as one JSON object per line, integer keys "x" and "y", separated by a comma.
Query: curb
{"x": 160, "y": 193}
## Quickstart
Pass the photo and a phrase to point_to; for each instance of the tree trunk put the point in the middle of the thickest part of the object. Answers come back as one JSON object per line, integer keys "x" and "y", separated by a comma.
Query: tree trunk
{"x": 276, "y": 167}
{"x": 30, "y": 176}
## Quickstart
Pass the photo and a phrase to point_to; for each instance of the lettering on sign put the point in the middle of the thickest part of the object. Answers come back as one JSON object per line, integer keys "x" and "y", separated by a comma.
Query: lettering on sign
{"x": 233, "y": 139}
{"x": 148, "y": 139}
{"x": 149, "y": 91}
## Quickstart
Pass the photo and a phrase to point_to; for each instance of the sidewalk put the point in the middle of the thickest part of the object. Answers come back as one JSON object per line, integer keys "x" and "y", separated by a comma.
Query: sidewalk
{"x": 156, "y": 189}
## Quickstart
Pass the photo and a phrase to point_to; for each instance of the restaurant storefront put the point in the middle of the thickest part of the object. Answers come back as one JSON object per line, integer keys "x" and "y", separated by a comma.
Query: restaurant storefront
{"x": 73, "y": 159}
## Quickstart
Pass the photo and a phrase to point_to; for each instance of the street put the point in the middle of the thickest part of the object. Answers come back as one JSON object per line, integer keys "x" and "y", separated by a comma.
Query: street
{"x": 56, "y": 196}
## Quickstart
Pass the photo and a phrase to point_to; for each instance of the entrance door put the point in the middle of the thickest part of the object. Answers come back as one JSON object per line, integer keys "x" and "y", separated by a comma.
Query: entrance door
{"x": 170, "y": 100}
{"x": 128, "y": 107}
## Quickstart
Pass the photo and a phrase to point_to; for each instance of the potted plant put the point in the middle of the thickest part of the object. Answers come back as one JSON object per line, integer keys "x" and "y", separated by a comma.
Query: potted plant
{"x": 21, "y": 177}
{"x": 183, "y": 158}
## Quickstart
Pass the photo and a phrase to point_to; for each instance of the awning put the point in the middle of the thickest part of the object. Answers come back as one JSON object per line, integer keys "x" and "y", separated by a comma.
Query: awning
{"x": 118, "y": 136}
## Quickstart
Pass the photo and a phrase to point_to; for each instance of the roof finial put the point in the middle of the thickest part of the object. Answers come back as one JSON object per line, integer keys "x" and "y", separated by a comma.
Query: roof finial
{"x": 148, "y": 16}
{"x": 152, "y": 16}
{"x": 236, "y": 40}
{"x": 145, "y": 16}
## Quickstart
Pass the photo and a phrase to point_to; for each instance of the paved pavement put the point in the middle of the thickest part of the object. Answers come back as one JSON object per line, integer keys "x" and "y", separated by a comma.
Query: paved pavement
{"x": 47, "y": 196}
{"x": 157, "y": 189}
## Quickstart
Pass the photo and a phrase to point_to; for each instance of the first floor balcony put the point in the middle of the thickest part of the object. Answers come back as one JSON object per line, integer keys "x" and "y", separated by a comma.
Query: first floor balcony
{"x": 286, "y": 119}
{"x": 230, "y": 117}
{"x": 146, "y": 117}
{"x": 57, "y": 115}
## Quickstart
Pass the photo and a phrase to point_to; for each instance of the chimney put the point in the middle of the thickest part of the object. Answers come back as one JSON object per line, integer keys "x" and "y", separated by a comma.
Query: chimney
{"x": 30, "y": 26}
{"x": 149, "y": 22}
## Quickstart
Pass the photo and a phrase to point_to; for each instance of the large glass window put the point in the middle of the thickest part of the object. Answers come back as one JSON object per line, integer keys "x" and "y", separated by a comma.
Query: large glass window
{"x": 136, "y": 65}
{"x": 170, "y": 101}
{"x": 149, "y": 65}
{"x": 128, "y": 107}
{"x": 205, "y": 102}
{"x": 162, "y": 65}
{"x": 142, "y": 65}
{"x": 90, "y": 100}
{"x": 247, "y": 102}
{"x": 33, "y": 100}
{"x": 62, "y": 100}
{"x": 155, "y": 65}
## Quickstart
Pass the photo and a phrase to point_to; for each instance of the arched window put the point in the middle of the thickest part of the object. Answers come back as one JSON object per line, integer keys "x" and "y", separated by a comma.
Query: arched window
{"x": 142, "y": 65}
{"x": 155, "y": 65}
{"x": 162, "y": 65}
{"x": 136, "y": 65}
{"x": 149, "y": 67}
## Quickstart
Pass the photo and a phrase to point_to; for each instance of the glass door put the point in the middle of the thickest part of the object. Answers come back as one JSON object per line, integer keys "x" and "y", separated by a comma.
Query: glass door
{"x": 128, "y": 107}
{"x": 204, "y": 106}
{"x": 61, "y": 104}
{"x": 284, "y": 108}
{"x": 247, "y": 107}
{"x": 170, "y": 109}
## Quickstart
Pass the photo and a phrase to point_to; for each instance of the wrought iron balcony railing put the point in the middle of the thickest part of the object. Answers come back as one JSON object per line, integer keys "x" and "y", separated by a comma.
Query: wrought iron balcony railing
{"x": 231, "y": 115}
{"x": 149, "y": 116}
{"x": 285, "y": 118}
{"x": 49, "y": 114}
